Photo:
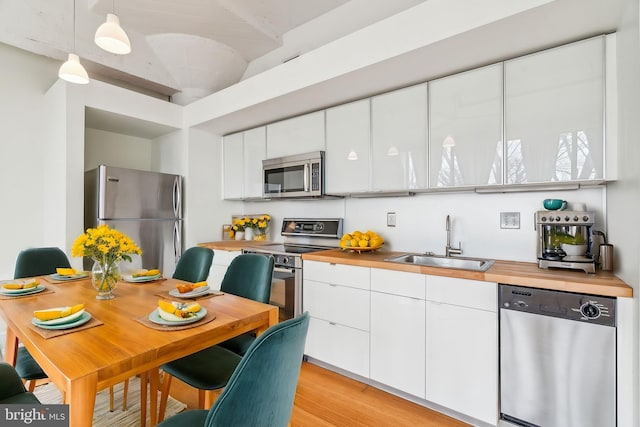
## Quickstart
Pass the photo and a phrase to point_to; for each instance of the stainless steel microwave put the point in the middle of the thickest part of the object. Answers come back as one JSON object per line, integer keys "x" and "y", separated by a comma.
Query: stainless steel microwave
{"x": 301, "y": 175}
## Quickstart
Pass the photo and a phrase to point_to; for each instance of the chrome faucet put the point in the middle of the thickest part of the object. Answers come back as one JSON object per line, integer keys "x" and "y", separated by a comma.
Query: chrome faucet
{"x": 448, "y": 250}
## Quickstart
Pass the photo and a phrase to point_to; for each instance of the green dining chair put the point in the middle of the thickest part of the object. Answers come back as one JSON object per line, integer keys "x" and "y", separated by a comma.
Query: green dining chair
{"x": 30, "y": 263}
{"x": 194, "y": 264}
{"x": 262, "y": 388}
{"x": 12, "y": 389}
{"x": 248, "y": 276}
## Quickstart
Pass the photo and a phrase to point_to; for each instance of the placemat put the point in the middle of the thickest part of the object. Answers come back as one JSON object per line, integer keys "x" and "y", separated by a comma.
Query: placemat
{"x": 149, "y": 324}
{"x": 210, "y": 294}
{"x": 55, "y": 281}
{"x": 46, "y": 291}
{"x": 50, "y": 333}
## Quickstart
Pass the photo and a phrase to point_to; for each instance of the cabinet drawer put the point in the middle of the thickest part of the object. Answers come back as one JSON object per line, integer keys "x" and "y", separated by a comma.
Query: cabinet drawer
{"x": 463, "y": 292}
{"x": 337, "y": 304}
{"x": 338, "y": 345}
{"x": 410, "y": 285}
{"x": 221, "y": 257}
{"x": 337, "y": 274}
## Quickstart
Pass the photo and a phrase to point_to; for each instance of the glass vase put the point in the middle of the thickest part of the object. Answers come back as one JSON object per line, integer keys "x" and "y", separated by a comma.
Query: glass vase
{"x": 104, "y": 278}
{"x": 260, "y": 234}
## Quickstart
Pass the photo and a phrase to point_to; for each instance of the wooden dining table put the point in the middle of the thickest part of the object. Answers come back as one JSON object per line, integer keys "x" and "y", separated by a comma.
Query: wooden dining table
{"x": 83, "y": 362}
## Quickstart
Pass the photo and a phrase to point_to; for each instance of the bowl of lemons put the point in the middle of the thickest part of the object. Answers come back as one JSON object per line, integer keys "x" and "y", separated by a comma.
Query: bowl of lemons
{"x": 358, "y": 241}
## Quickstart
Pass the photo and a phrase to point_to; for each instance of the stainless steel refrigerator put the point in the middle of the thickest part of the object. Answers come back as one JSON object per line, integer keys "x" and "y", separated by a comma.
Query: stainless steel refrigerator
{"x": 147, "y": 206}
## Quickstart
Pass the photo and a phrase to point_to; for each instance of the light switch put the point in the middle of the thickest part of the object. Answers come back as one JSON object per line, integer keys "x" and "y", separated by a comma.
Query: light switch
{"x": 509, "y": 219}
{"x": 391, "y": 219}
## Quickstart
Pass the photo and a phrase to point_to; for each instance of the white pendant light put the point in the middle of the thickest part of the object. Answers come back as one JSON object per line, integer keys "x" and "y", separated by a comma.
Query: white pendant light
{"x": 111, "y": 37}
{"x": 72, "y": 71}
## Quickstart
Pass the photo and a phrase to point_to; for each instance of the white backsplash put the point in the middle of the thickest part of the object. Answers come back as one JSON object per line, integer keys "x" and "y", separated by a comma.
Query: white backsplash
{"x": 420, "y": 219}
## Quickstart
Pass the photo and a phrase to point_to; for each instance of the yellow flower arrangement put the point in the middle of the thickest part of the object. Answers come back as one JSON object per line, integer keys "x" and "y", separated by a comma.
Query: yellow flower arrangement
{"x": 107, "y": 247}
{"x": 259, "y": 223}
{"x": 239, "y": 224}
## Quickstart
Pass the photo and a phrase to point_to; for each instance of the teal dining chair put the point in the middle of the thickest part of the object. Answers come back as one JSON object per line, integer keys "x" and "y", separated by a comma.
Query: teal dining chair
{"x": 194, "y": 264}
{"x": 30, "y": 263}
{"x": 12, "y": 389}
{"x": 262, "y": 388}
{"x": 248, "y": 276}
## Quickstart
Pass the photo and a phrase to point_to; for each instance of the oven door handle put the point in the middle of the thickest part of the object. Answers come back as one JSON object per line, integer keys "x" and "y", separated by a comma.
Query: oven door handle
{"x": 284, "y": 270}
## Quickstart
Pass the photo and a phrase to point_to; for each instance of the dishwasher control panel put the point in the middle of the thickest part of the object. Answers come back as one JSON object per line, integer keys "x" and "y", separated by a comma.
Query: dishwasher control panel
{"x": 567, "y": 305}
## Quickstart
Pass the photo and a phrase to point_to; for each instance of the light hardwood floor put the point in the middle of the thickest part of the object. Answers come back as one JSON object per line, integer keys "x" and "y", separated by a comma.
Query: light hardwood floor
{"x": 325, "y": 399}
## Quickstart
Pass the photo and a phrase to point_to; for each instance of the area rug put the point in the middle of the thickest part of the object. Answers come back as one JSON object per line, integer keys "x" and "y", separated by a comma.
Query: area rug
{"x": 49, "y": 393}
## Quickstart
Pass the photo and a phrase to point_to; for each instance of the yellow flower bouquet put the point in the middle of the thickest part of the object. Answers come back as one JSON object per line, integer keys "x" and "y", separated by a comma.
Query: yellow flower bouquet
{"x": 107, "y": 247}
{"x": 261, "y": 225}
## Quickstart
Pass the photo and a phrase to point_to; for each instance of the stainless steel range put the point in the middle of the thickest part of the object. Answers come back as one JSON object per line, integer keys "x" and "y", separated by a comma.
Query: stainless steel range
{"x": 301, "y": 235}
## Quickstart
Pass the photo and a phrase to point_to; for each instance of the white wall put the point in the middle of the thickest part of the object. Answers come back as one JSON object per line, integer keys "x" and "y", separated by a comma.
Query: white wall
{"x": 624, "y": 196}
{"x": 116, "y": 149}
{"x": 24, "y": 78}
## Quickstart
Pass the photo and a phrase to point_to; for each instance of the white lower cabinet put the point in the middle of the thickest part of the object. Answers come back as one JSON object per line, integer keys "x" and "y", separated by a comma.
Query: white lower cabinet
{"x": 337, "y": 299}
{"x": 462, "y": 346}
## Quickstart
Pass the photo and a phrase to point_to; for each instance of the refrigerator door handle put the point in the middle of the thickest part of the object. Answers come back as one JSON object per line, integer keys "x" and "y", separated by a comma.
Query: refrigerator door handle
{"x": 177, "y": 243}
{"x": 177, "y": 197}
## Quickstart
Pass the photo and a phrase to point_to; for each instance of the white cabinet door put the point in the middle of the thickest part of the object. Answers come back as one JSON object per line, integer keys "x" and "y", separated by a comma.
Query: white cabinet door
{"x": 398, "y": 342}
{"x": 233, "y": 178}
{"x": 347, "y": 159}
{"x": 462, "y": 360}
{"x": 255, "y": 151}
{"x": 399, "y": 139}
{"x": 302, "y": 134}
{"x": 465, "y": 118}
{"x": 554, "y": 114}
{"x": 338, "y": 345}
{"x": 337, "y": 304}
{"x": 337, "y": 274}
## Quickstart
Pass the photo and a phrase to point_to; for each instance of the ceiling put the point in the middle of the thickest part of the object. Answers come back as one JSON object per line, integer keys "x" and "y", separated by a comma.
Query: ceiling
{"x": 184, "y": 49}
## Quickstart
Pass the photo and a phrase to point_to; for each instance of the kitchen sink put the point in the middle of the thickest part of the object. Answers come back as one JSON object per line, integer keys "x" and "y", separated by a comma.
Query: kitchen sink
{"x": 463, "y": 263}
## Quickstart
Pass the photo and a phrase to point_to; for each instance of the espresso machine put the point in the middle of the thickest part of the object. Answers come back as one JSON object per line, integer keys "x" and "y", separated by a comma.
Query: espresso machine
{"x": 565, "y": 240}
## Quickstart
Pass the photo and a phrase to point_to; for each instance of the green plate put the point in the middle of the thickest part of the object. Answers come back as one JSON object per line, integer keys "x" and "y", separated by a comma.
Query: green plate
{"x": 80, "y": 321}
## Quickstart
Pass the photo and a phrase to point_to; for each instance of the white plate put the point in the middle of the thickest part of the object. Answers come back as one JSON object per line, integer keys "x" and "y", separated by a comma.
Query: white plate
{"x": 80, "y": 321}
{"x": 79, "y": 275}
{"x": 155, "y": 318}
{"x": 60, "y": 320}
{"x": 194, "y": 293}
{"x": 17, "y": 292}
{"x": 131, "y": 279}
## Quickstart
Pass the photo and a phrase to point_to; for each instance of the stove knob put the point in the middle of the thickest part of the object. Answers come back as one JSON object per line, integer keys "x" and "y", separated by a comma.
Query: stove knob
{"x": 551, "y": 218}
{"x": 590, "y": 311}
{"x": 284, "y": 260}
{"x": 575, "y": 218}
{"x": 543, "y": 219}
{"x": 566, "y": 218}
{"x": 558, "y": 218}
{"x": 585, "y": 218}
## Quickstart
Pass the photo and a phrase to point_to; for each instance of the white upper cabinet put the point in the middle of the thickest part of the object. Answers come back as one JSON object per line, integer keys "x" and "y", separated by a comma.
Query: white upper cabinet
{"x": 554, "y": 114}
{"x": 399, "y": 143}
{"x": 255, "y": 151}
{"x": 347, "y": 159}
{"x": 298, "y": 135}
{"x": 232, "y": 148}
{"x": 465, "y": 122}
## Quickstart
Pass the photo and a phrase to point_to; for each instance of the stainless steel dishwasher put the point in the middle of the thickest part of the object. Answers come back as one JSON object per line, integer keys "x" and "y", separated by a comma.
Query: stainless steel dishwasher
{"x": 557, "y": 358}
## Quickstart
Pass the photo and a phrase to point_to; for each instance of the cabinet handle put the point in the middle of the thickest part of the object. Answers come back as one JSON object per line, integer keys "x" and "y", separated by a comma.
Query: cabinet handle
{"x": 332, "y": 285}
{"x": 332, "y": 323}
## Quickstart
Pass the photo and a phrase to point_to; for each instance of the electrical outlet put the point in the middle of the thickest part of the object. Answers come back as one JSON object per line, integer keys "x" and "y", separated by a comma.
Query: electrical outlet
{"x": 391, "y": 219}
{"x": 509, "y": 219}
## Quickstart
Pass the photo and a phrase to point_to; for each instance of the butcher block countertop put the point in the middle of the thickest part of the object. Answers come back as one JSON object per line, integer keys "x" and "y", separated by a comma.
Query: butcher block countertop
{"x": 509, "y": 272}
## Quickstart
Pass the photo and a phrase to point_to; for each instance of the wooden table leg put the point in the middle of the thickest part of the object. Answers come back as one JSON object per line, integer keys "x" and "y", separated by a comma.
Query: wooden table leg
{"x": 11, "y": 347}
{"x": 154, "y": 384}
{"x": 81, "y": 397}
{"x": 143, "y": 399}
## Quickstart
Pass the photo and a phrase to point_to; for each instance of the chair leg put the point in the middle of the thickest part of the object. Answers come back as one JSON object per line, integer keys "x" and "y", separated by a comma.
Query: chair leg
{"x": 32, "y": 385}
{"x": 124, "y": 394}
{"x": 111, "y": 399}
{"x": 164, "y": 395}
